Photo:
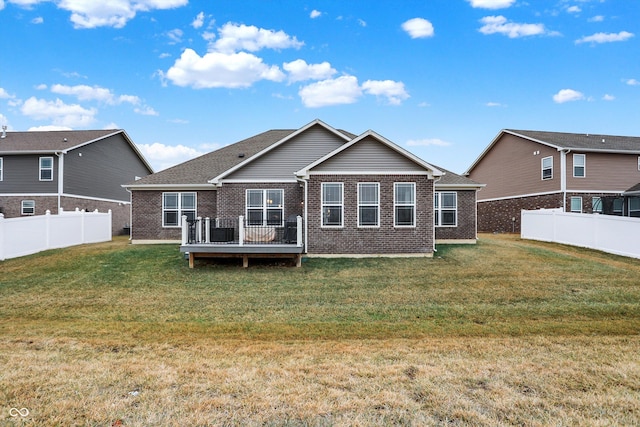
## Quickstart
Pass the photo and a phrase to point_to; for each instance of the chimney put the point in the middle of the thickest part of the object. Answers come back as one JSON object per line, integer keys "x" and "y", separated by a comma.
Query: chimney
{"x": 4, "y": 131}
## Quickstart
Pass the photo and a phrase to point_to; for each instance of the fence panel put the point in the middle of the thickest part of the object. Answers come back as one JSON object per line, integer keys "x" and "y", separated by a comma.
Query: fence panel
{"x": 29, "y": 235}
{"x": 614, "y": 234}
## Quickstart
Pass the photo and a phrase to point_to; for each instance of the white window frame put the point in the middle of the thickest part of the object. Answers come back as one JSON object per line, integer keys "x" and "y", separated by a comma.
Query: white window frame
{"x": 438, "y": 208}
{"x": 1, "y": 169}
{"x": 42, "y": 169}
{"x": 583, "y": 165}
{"x": 369, "y": 204}
{"x": 179, "y": 209}
{"x": 266, "y": 206}
{"x": 596, "y": 204}
{"x": 331, "y": 204}
{"x": 543, "y": 168}
{"x": 638, "y": 163}
{"x": 571, "y": 204}
{"x": 397, "y": 204}
{"x": 28, "y": 210}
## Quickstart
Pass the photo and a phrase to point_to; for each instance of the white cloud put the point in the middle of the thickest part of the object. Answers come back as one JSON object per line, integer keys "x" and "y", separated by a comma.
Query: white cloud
{"x": 299, "y": 70}
{"x": 235, "y": 37}
{"x": 362, "y": 22}
{"x": 48, "y": 128}
{"x": 418, "y": 28}
{"x": 597, "y": 18}
{"x": 493, "y": 104}
{"x": 94, "y": 93}
{"x": 491, "y": 4}
{"x": 37, "y": 20}
{"x": 4, "y": 94}
{"x": 567, "y": 95}
{"x": 198, "y": 22}
{"x": 342, "y": 90}
{"x": 606, "y": 37}
{"x": 146, "y": 111}
{"x": 632, "y": 82}
{"x": 500, "y": 25}
{"x": 1, "y": 4}
{"x": 61, "y": 114}
{"x": 162, "y": 156}
{"x": 428, "y": 142}
{"x": 393, "y": 91}
{"x": 175, "y": 35}
{"x": 216, "y": 69}
{"x": 608, "y": 97}
{"x": 315, "y": 14}
{"x": 574, "y": 9}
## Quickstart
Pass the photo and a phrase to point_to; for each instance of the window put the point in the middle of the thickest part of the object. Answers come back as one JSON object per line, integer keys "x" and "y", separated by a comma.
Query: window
{"x": 579, "y": 164}
{"x": 547, "y": 168}
{"x": 596, "y": 205}
{"x": 1, "y": 169}
{"x": 368, "y": 204}
{"x": 404, "y": 202}
{"x": 634, "y": 207}
{"x": 28, "y": 207}
{"x": 446, "y": 209}
{"x": 175, "y": 205}
{"x": 618, "y": 205}
{"x": 639, "y": 163}
{"x": 576, "y": 204}
{"x": 332, "y": 204}
{"x": 265, "y": 207}
{"x": 46, "y": 168}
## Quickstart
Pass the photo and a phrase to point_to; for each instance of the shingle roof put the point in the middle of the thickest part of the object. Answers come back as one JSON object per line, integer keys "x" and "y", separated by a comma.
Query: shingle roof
{"x": 201, "y": 169}
{"x": 451, "y": 178}
{"x": 58, "y": 140}
{"x": 583, "y": 141}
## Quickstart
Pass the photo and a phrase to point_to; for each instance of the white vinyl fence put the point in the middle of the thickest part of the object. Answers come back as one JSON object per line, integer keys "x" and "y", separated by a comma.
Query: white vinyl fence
{"x": 31, "y": 234}
{"x": 614, "y": 234}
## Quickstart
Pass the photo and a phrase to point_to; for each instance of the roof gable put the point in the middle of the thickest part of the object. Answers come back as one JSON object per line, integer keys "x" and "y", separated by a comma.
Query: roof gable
{"x": 51, "y": 141}
{"x": 361, "y": 155}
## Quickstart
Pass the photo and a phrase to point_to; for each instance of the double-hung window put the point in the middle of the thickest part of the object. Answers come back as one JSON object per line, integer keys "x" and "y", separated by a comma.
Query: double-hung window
{"x": 332, "y": 204}
{"x": 404, "y": 204}
{"x": 547, "y": 167}
{"x": 579, "y": 165}
{"x": 576, "y": 204}
{"x": 46, "y": 168}
{"x": 265, "y": 207}
{"x": 368, "y": 204}
{"x": 175, "y": 205}
{"x": 446, "y": 209}
{"x": 28, "y": 207}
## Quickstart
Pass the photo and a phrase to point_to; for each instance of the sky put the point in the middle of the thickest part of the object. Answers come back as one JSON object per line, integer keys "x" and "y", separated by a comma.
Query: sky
{"x": 440, "y": 78}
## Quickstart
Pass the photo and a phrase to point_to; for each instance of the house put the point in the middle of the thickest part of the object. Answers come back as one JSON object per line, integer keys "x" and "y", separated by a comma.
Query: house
{"x": 55, "y": 170}
{"x": 352, "y": 195}
{"x": 525, "y": 169}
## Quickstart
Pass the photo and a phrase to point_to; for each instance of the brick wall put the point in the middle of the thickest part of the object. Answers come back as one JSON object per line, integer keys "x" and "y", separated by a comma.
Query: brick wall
{"x": 385, "y": 239}
{"x": 12, "y": 205}
{"x": 466, "y": 227}
{"x": 232, "y": 198}
{"x": 497, "y": 216}
{"x": 147, "y": 214}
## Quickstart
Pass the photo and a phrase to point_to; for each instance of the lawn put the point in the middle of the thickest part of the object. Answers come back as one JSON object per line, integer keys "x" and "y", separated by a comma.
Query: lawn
{"x": 506, "y": 332}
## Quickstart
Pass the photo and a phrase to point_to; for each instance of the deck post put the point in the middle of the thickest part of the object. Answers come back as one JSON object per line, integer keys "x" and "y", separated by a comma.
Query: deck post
{"x": 207, "y": 230}
{"x": 241, "y": 230}
{"x": 299, "y": 231}
{"x": 185, "y": 230}
{"x": 199, "y": 229}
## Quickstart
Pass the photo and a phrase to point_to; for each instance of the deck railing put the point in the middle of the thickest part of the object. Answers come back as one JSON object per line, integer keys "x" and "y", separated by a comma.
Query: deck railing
{"x": 239, "y": 232}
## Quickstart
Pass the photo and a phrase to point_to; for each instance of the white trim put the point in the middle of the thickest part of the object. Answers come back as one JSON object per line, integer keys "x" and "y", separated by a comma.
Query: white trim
{"x": 41, "y": 169}
{"x": 264, "y": 207}
{"x": 542, "y": 168}
{"x": 584, "y": 165}
{"x": 437, "y": 213}
{"x": 273, "y": 146}
{"x": 424, "y": 173}
{"x": 169, "y": 187}
{"x": 377, "y": 205}
{"x": 430, "y": 169}
{"x": 414, "y": 205}
{"x": 520, "y": 196}
{"x": 22, "y": 207}
{"x": 262, "y": 181}
{"x": 99, "y": 199}
{"x": 461, "y": 187}
{"x": 571, "y": 203}
{"x": 180, "y": 210}
{"x": 2, "y": 168}
{"x": 322, "y": 204}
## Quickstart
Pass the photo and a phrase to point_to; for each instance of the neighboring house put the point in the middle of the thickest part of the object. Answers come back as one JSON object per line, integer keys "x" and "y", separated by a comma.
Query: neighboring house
{"x": 355, "y": 194}
{"x": 82, "y": 169}
{"x": 575, "y": 172}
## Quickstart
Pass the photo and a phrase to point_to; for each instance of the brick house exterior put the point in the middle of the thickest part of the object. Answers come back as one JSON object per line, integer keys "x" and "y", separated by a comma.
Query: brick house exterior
{"x": 292, "y": 165}
{"x": 528, "y": 170}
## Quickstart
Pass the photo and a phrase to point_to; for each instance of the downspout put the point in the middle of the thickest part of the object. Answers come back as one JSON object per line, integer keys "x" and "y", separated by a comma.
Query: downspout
{"x": 60, "y": 155}
{"x": 563, "y": 177}
{"x": 130, "y": 213}
{"x": 305, "y": 213}
{"x": 433, "y": 223}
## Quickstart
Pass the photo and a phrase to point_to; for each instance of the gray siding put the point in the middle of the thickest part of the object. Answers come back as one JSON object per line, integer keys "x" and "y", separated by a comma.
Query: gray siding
{"x": 21, "y": 175}
{"x": 102, "y": 168}
{"x": 368, "y": 155}
{"x": 293, "y": 155}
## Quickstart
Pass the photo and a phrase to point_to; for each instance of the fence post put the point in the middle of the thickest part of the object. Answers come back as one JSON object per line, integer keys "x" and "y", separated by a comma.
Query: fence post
{"x": 185, "y": 230}
{"x": 199, "y": 229}
{"x": 207, "y": 230}
{"x": 1, "y": 237}
{"x": 47, "y": 229}
{"x": 110, "y": 224}
{"x": 299, "y": 231}
{"x": 241, "y": 230}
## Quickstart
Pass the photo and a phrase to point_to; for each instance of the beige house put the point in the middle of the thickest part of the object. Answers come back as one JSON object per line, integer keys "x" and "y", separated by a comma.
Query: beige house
{"x": 585, "y": 173}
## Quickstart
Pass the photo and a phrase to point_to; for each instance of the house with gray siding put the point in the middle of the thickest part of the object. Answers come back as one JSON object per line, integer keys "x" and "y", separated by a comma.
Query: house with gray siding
{"x": 354, "y": 194}
{"x": 575, "y": 172}
{"x": 74, "y": 169}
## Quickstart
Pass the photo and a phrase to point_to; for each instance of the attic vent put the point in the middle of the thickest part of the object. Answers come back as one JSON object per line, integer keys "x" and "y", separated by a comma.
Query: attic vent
{"x": 4, "y": 131}
{"x": 241, "y": 155}
{"x": 603, "y": 140}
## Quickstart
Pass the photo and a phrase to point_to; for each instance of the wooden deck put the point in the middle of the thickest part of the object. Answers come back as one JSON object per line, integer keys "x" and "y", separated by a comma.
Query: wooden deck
{"x": 246, "y": 251}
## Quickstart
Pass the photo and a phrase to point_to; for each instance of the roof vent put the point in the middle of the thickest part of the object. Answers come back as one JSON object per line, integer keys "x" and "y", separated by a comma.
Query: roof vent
{"x": 603, "y": 140}
{"x": 241, "y": 155}
{"x": 4, "y": 131}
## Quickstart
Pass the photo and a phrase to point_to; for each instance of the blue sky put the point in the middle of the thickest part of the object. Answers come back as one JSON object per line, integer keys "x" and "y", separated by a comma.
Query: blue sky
{"x": 440, "y": 78}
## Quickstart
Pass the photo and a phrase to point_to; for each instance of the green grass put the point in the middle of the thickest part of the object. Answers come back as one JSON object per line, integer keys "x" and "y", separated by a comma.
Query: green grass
{"x": 505, "y": 332}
